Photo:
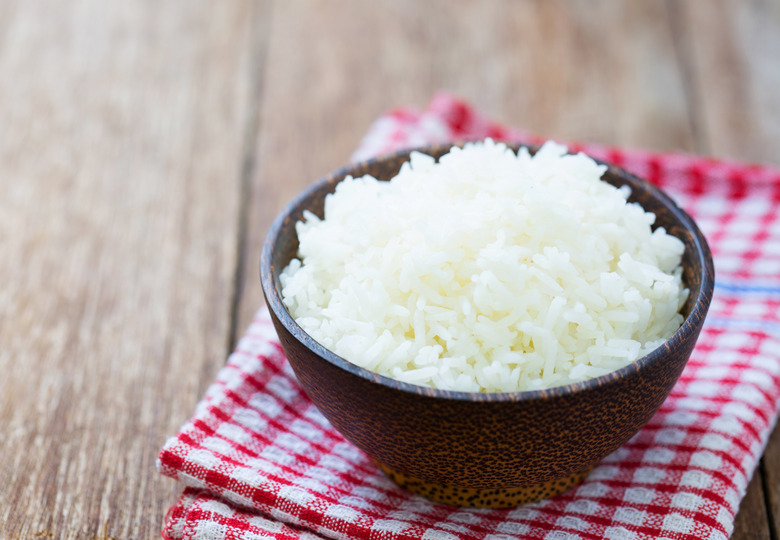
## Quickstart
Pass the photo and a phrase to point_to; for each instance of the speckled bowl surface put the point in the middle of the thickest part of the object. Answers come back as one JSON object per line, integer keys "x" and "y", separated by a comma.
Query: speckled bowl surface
{"x": 486, "y": 449}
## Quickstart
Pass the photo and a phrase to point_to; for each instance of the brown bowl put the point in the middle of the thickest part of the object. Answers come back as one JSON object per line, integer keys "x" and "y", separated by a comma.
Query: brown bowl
{"x": 486, "y": 449}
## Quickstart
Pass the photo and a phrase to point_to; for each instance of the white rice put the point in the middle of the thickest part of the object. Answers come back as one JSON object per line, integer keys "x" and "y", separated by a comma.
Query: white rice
{"x": 486, "y": 272}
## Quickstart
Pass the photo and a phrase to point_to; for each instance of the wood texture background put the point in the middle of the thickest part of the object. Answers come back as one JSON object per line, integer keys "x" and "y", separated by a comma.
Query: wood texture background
{"x": 146, "y": 146}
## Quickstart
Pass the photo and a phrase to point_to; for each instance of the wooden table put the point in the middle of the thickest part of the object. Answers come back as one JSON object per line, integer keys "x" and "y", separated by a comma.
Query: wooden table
{"x": 146, "y": 146}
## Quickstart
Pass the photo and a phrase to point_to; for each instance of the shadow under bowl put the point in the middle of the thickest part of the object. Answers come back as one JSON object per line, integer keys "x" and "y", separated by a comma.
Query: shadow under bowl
{"x": 486, "y": 449}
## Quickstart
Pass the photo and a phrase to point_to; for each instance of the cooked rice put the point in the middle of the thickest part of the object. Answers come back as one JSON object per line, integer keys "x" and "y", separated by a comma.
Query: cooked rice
{"x": 486, "y": 272}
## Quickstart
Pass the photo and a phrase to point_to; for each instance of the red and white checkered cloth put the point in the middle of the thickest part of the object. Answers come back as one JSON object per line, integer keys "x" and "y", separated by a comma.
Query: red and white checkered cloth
{"x": 261, "y": 462}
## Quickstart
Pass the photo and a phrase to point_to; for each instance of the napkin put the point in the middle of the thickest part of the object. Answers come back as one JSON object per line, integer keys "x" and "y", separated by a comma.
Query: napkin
{"x": 259, "y": 461}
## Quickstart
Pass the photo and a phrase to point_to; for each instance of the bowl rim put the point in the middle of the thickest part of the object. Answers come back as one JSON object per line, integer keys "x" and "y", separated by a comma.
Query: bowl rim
{"x": 690, "y": 326}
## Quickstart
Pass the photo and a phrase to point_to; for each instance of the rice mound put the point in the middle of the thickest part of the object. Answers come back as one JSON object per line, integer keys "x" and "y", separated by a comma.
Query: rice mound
{"x": 486, "y": 272}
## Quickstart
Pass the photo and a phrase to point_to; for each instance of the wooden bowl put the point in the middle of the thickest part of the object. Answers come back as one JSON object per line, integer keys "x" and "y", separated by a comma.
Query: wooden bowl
{"x": 486, "y": 449}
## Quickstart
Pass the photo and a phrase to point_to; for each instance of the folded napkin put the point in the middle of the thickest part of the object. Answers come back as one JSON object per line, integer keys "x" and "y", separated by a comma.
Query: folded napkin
{"x": 259, "y": 461}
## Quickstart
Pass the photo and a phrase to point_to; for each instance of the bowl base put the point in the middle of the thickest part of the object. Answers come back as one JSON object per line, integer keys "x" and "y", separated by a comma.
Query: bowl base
{"x": 487, "y": 497}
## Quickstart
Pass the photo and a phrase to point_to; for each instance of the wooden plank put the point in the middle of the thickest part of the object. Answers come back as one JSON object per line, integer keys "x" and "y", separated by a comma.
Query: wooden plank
{"x": 735, "y": 68}
{"x": 549, "y": 67}
{"x": 771, "y": 476}
{"x": 729, "y": 50}
{"x": 752, "y": 522}
{"x": 120, "y": 166}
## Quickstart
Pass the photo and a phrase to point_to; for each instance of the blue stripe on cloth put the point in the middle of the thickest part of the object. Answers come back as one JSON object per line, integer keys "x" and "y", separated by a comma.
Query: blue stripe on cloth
{"x": 733, "y": 287}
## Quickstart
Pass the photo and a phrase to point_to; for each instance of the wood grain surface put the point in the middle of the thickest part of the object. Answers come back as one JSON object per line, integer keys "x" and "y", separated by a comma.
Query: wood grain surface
{"x": 146, "y": 146}
{"x": 120, "y": 160}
